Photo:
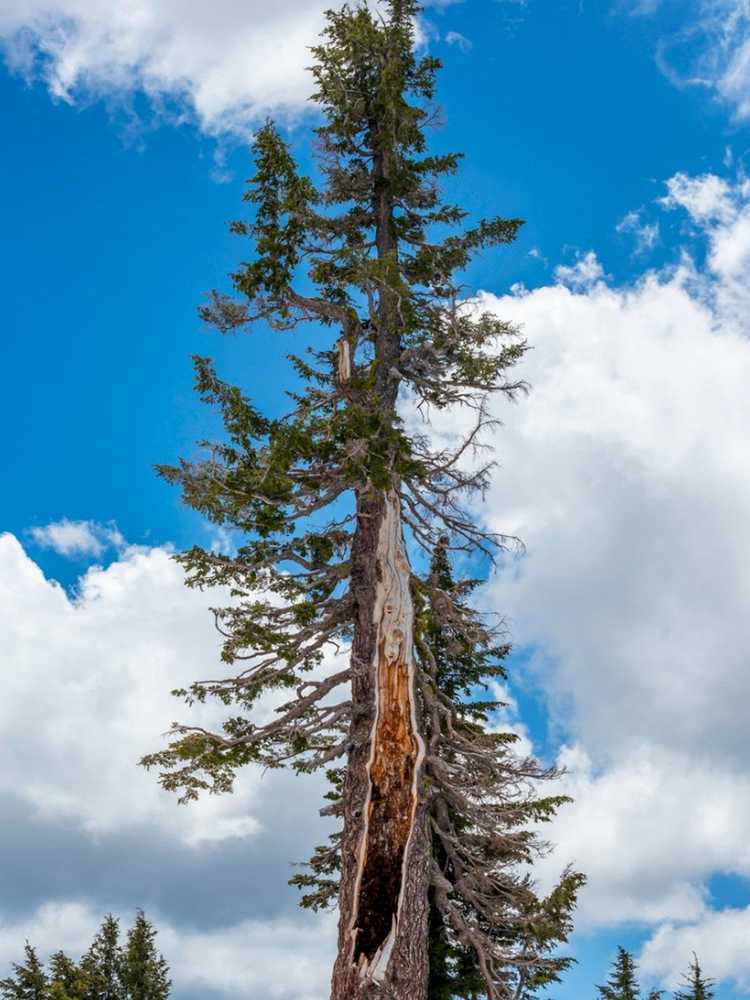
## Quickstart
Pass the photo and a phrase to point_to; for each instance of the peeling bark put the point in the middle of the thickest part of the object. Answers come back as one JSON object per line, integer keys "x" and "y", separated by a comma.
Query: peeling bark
{"x": 383, "y": 903}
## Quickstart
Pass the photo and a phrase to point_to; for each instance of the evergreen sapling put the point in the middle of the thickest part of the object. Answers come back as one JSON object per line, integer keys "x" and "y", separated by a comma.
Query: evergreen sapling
{"x": 623, "y": 983}
{"x": 29, "y": 980}
{"x": 696, "y": 986}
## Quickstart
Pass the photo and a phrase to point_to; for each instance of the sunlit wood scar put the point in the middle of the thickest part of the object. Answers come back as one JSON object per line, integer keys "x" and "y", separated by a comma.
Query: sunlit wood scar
{"x": 344, "y": 360}
{"x": 396, "y": 755}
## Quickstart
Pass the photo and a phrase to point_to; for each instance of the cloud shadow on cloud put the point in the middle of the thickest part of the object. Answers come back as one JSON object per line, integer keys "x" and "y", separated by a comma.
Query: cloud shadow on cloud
{"x": 201, "y": 888}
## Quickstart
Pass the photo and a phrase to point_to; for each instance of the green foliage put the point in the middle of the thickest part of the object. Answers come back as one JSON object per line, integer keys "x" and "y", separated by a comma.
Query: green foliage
{"x": 465, "y": 654}
{"x": 29, "y": 980}
{"x": 144, "y": 973}
{"x": 460, "y": 655}
{"x": 481, "y": 905}
{"x": 454, "y": 972}
{"x": 367, "y": 249}
{"x": 318, "y": 881}
{"x": 696, "y": 986}
{"x": 67, "y": 980}
{"x": 101, "y": 964}
{"x": 623, "y": 983}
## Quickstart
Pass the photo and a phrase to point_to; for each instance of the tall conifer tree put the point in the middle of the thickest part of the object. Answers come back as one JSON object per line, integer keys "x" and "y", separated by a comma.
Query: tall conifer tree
{"x": 432, "y": 805}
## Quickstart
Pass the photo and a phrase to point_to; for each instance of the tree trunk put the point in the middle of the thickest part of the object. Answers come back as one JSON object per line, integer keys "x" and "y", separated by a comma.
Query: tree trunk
{"x": 383, "y": 901}
{"x": 385, "y": 850}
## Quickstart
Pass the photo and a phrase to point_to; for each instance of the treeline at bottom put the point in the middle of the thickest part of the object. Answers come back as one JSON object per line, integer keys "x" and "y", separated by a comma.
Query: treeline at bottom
{"x": 623, "y": 982}
{"x": 133, "y": 969}
{"x": 111, "y": 969}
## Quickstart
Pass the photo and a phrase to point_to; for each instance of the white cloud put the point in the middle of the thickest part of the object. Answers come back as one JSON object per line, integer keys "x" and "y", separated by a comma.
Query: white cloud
{"x": 67, "y": 926}
{"x": 459, "y": 40}
{"x": 646, "y": 234}
{"x": 226, "y": 64}
{"x": 721, "y": 210}
{"x": 279, "y": 959}
{"x": 626, "y": 475}
{"x": 707, "y": 198}
{"x": 586, "y": 272}
{"x": 626, "y": 479}
{"x": 87, "y": 694}
{"x": 506, "y": 718}
{"x": 283, "y": 959}
{"x": 649, "y": 831}
{"x": 77, "y": 538}
{"x": 719, "y": 939}
{"x": 710, "y": 49}
{"x": 725, "y": 63}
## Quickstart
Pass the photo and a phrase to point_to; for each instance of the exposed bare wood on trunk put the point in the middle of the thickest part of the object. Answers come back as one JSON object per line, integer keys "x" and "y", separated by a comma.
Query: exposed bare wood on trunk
{"x": 396, "y": 754}
{"x": 344, "y": 360}
{"x": 385, "y": 851}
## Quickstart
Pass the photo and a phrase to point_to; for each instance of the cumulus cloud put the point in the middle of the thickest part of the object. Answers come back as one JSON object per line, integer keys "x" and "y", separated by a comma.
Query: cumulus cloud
{"x": 69, "y": 926}
{"x": 625, "y": 474}
{"x": 284, "y": 960}
{"x": 88, "y": 695}
{"x": 719, "y": 939}
{"x": 225, "y": 64}
{"x": 629, "y": 490}
{"x": 649, "y": 831}
{"x": 77, "y": 538}
{"x": 86, "y": 692}
{"x": 586, "y": 272}
{"x": 707, "y": 199}
{"x": 721, "y": 211}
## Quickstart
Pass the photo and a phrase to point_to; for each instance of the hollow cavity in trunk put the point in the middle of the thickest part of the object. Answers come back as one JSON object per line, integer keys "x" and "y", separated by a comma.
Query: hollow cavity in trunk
{"x": 396, "y": 755}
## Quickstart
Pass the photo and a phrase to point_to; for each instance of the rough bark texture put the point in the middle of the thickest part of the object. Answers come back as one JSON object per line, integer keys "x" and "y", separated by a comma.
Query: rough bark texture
{"x": 383, "y": 901}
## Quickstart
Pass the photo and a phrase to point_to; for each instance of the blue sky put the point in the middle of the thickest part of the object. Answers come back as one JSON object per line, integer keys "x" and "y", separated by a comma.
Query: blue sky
{"x": 620, "y": 132}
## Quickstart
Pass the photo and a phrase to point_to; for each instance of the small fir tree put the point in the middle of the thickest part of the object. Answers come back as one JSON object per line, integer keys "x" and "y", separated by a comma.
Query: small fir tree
{"x": 326, "y": 499}
{"x": 144, "y": 973}
{"x": 623, "y": 983}
{"x": 695, "y": 985}
{"x": 29, "y": 980}
{"x": 101, "y": 965}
